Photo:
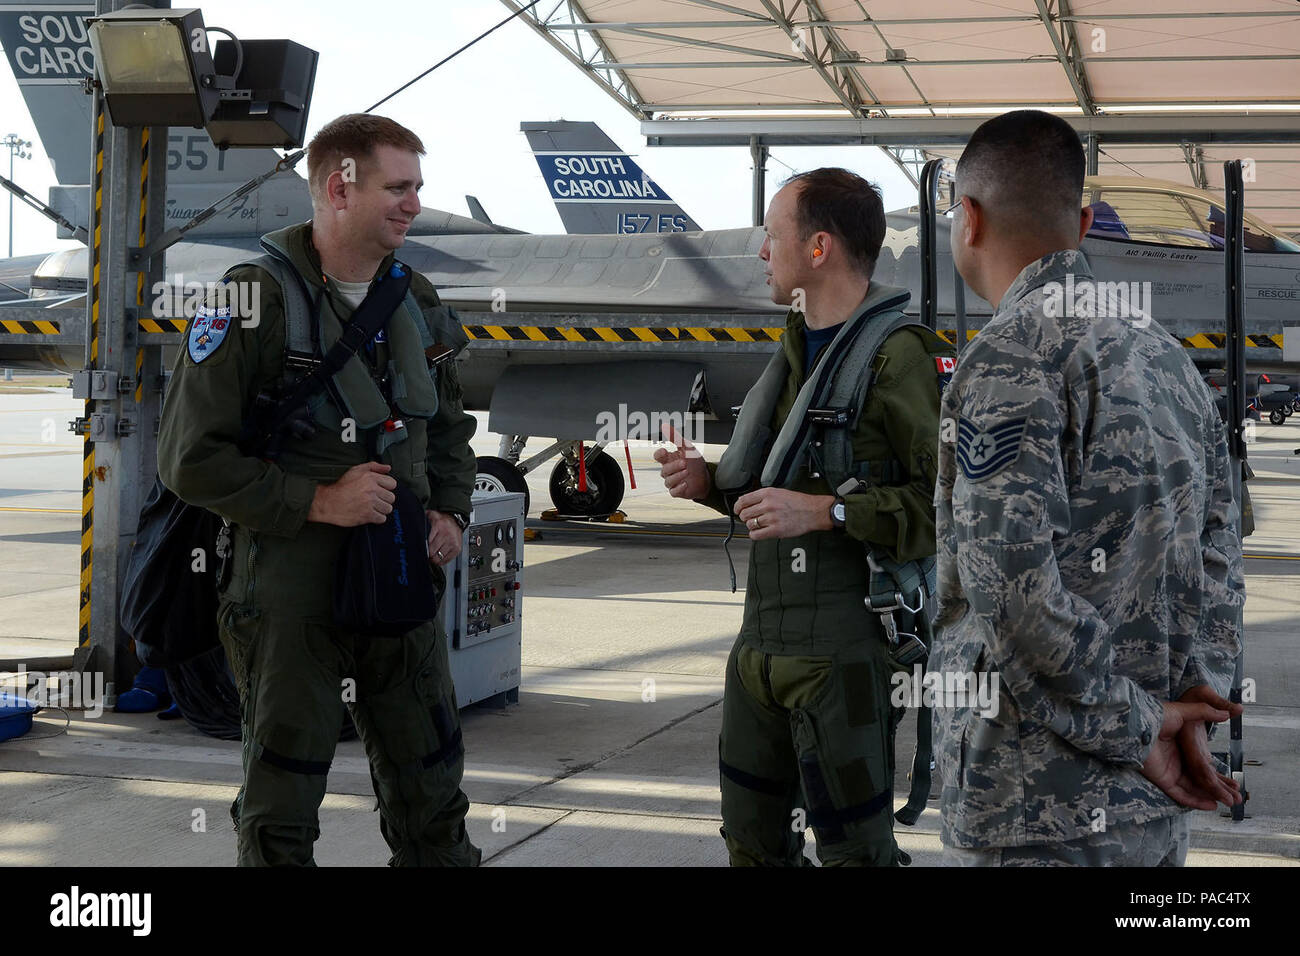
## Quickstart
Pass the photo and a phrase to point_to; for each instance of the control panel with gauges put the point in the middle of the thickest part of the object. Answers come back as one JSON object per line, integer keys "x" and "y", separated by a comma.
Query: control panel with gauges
{"x": 482, "y": 609}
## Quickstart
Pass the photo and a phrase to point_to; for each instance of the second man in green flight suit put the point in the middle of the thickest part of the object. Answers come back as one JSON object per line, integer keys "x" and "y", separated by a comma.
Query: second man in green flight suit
{"x": 807, "y": 721}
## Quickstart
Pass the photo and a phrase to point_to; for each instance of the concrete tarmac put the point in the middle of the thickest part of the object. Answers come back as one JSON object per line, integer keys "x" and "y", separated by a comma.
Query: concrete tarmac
{"x": 610, "y": 756}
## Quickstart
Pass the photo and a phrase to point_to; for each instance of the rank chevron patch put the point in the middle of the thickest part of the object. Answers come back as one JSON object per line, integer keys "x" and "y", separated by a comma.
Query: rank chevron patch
{"x": 985, "y": 453}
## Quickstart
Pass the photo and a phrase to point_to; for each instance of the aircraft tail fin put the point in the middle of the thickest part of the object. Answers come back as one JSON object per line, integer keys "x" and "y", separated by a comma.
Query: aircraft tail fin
{"x": 598, "y": 188}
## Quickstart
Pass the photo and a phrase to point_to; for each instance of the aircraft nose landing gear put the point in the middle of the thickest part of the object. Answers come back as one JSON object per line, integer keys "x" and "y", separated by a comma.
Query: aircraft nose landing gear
{"x": 594, "y": 490}
{"x": 604, "y": 484}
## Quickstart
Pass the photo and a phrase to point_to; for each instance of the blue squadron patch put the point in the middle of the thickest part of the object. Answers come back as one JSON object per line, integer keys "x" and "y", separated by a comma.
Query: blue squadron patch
{"x": 207, "y": 332}
{"x": 982, "y": 454}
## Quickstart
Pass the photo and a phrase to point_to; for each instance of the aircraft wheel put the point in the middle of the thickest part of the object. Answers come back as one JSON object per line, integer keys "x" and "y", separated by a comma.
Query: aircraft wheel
{"x": 1295, "y": 406}
{"x": 604, "y": 487}
{"x": 496, "y": 476}
{"x": 1276, "y": 417}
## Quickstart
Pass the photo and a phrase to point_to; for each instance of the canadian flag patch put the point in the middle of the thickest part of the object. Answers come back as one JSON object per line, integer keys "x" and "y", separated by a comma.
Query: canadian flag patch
{"x": 945, "y": 365}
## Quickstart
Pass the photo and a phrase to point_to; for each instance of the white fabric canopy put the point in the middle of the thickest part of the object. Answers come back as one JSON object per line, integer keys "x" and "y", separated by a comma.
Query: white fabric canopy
{"x": 694, "y": 60}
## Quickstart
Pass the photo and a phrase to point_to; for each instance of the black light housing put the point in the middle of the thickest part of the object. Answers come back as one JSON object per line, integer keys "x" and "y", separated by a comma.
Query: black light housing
{"x": 273, "y": 91}
{"x": 156, "y": 69}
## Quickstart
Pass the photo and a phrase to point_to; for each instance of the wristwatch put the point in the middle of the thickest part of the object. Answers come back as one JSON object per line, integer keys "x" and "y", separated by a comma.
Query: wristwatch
{"x": 460, "y": 519}
{"x": 837, "y": 514}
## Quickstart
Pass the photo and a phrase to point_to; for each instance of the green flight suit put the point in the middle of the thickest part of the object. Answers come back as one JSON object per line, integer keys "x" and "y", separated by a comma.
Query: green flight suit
{"x": 294, "y": 669}
{"x": 807, "y": 725}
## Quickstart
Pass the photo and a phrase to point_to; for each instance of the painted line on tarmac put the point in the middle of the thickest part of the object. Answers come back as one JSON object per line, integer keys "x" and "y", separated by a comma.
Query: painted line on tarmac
{"x": 623, "y": 529}
{"x": 44, "y": 511}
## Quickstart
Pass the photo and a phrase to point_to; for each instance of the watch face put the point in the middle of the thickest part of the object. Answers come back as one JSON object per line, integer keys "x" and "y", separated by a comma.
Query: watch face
{"x": 837, "y": 511}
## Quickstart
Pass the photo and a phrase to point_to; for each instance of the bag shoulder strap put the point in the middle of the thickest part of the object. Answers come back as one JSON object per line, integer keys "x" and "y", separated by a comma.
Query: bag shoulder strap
{"x": 370, "y": 316}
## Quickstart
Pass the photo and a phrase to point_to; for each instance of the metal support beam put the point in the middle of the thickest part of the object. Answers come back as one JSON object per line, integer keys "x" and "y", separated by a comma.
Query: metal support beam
{"x": 612, "y": 81}
{"x": 759, "y": 153}
{"x": 959, "y": 307}
{"x": 909, "y": 166}
{"x": 1194, "y": 157}
{"x": 800, "y": 42}
{"x": 121, "y": 412}
{"x": 1093, "y": 145}
{"x": 928, "y": 232}
{"x": 1113, "y": 128}
{"x": 1067, "y": 51}
{"x": 1235, "y": 307}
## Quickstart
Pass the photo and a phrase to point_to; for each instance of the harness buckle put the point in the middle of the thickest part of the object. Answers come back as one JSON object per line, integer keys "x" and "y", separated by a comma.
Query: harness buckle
{"x": 905, "y": 648}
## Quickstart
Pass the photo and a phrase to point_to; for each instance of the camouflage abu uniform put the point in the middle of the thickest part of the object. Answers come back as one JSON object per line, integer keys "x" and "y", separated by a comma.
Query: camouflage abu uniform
{"x": 1079, "y": 441}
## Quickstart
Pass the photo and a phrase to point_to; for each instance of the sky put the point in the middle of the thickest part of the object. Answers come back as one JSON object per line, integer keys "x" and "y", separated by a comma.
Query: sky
{"x": 467, "y": 112}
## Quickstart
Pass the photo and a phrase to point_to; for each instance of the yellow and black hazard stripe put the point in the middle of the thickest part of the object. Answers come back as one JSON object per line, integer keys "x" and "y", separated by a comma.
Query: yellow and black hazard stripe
{"x": 583, "y": 333}
{"x": 88, "y": 446}
{"x": 140, "y": 276}
{"x": 29, "y": 328}
{"x": 616, "y": 334}
{"x": 950, "y": 335}
{"x": 1218, "y": 340}
{"x": 163, "y": 325}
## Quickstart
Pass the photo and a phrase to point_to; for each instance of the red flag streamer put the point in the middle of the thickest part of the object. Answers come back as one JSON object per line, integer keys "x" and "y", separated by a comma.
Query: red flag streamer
{"x": 582, "y": 468}
{"x": 630, "y": 473}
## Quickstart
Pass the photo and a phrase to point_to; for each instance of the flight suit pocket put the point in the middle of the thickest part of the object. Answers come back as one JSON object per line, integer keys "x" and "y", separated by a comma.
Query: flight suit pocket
{"x": 408, "y": 708}
{"x": 239, "y": 627}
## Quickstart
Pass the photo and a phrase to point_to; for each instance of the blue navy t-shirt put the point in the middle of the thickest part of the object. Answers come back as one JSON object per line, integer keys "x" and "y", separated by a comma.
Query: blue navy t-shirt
{"x": 813, "y": 340}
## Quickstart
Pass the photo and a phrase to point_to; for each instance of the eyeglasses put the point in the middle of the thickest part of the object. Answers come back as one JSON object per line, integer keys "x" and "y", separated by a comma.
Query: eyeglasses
{"x": 951, "y": 210}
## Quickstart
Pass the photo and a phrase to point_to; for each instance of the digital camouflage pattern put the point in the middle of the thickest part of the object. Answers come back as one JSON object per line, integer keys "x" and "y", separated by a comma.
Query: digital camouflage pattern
{"x": 1088, "y": 552}
{"x": 1160, "y": 842}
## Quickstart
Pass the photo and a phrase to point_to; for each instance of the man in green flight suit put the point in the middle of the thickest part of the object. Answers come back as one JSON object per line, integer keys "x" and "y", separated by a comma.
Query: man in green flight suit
{"x": 807, "y": 722}
{"x": 388, "y": 417}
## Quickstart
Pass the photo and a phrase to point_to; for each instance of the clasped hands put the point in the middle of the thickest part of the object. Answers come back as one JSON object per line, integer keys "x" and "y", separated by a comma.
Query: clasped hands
{"x": 1180, "y": 763}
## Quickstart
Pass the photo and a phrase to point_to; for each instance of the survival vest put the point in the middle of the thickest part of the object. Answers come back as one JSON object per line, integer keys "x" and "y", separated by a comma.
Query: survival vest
{"x": 817, "y": 435}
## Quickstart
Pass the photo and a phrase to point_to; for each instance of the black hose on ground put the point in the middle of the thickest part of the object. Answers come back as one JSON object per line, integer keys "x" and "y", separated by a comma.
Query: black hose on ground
{"x": 204, "y": 690}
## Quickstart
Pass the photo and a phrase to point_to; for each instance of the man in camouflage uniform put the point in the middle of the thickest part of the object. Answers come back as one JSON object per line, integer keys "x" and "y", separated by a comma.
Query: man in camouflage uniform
{"x": 1088, "y": 550}
{"x": 294, "y": 669}
{"x": 807, "y": 722}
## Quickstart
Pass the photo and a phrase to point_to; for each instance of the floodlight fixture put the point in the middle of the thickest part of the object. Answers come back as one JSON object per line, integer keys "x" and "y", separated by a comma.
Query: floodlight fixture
{"x": 157, "y": 69}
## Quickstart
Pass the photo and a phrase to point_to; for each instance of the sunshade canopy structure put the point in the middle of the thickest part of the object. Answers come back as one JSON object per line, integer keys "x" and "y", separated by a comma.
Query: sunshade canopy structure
{"x": 1165, "y": 88}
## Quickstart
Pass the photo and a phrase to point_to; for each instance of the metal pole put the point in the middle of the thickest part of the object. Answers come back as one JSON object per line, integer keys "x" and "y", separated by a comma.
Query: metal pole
{"x": 759, "y": 153}
{"x": 20, "y": 146}
{"x": 1094, "y": 148}
{"x": 120, "y": 382}
{"x": 959, "y": 306}
{"x": 929, "y": 276}
{"x": 1235, "y": 307}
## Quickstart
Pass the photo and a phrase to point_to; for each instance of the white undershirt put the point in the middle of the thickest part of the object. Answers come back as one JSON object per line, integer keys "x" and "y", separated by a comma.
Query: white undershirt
{"x": 353, "y": 292}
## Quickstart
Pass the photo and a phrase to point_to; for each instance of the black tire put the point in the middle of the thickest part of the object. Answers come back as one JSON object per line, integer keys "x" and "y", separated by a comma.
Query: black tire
{"x": 1295, "y": 406}
{"x": 1276, "y": 416}
{"x": 496, "y": 475}
{"x": 604, "y": 487}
